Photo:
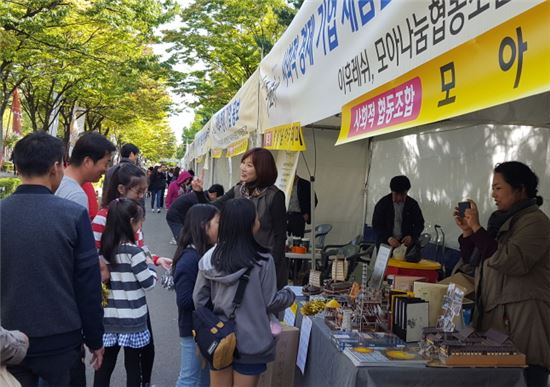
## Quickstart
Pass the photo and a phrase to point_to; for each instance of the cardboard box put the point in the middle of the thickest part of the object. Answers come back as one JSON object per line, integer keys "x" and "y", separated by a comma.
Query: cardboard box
{"x": 280, "y": 373}
{"x": 433, "y": 293}
{"x": 463, "y": 281}
{"x": 405, "y": 282}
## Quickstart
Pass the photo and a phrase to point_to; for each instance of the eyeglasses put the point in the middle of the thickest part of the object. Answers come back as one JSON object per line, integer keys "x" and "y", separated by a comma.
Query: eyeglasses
{"x": 140, "y": 192}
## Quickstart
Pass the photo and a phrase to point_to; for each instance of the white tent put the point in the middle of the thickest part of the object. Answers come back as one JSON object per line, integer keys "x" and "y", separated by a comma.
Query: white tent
{"x": 347, "y": 74}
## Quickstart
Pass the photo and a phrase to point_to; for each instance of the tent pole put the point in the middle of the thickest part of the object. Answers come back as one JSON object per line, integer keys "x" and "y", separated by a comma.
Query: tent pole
{"x": 365, "y": 188}
{"x": 312, "y": 219}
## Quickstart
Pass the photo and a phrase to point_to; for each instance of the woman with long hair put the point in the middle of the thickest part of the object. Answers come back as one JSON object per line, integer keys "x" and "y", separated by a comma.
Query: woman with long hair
{"x": 220, "y": 269}
{"x": 257, "y": 183}
{"x": 512, "y": 265}
{"x": 199, "y": 234}
{"x": 125, "y": 317}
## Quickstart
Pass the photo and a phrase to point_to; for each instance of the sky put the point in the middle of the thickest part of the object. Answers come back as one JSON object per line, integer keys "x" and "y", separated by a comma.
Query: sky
{"x": 185, "y": 118}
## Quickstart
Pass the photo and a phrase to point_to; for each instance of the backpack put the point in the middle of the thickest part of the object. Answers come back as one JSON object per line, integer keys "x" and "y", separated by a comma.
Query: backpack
{"x": 216, "y": 338}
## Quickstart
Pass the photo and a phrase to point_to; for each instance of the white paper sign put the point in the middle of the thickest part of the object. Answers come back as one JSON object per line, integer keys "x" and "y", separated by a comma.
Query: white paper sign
{"x": 290, "y": 317}
{"x": 305, "y": 332}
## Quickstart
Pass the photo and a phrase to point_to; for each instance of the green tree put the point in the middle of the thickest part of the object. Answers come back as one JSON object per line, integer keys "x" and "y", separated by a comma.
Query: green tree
{"x": 226, "y": 40}
{"x": 89, "y": 54}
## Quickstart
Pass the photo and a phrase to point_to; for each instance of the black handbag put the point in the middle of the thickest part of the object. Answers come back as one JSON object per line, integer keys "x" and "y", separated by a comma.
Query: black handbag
{"x": 216, "y": 338}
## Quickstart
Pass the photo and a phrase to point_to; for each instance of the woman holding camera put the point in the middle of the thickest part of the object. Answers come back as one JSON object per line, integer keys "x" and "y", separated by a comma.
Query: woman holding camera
{"x": 512, "y": 261}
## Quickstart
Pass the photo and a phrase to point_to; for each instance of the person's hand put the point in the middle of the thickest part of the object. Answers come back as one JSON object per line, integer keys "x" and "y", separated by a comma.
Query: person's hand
{"x": 394, "y": 242}
{"x": 165, "y": 262}
{"x": 104, "y": 270}
{"x": 197, "y": 185}
{"x": 407, "y": 241}
{"x": 461, "y": 223}
{"x": 97, "y": 358}
{"x": 306, "y": 217}
{"x": 471, "y": 216}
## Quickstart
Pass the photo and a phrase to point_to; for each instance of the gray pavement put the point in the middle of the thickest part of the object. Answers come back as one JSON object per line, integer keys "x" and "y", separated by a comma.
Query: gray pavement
{"x": 164, "y": 314}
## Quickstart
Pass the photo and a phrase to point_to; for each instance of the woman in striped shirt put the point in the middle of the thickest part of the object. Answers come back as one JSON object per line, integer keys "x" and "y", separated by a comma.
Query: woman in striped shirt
{"x": 125, "y": 317}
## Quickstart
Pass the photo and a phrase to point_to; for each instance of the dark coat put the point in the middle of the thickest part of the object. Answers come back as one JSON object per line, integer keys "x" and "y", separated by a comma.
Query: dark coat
{"x": 303, "y": 188}
{"x": 157, "y": 181}
{"x": 382, "y": 219}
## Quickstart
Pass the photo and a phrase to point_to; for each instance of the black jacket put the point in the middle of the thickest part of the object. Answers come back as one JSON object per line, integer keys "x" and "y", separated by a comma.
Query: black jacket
{"x": 382, "y": 219}
{"x": 303, "y": 188}
{"x": 157, "y": 181}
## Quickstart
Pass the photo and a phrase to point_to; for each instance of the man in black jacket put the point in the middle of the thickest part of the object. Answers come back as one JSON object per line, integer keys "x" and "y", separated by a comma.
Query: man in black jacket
{"x": 397, "y": 217}
{"x": 299, "y": 207}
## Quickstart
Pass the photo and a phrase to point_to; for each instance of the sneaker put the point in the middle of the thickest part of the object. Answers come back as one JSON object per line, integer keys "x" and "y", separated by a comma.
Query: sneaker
{"x": 173, "y": 242}
{"x": 158, "y": 211}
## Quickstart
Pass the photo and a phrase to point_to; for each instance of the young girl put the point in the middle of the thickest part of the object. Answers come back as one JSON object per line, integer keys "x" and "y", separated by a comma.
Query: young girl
{"x": 200, "y": 232}
{"x": 218, "y": 279}
{"x": 125, "y": 317}
{"x": 128, "y": 181}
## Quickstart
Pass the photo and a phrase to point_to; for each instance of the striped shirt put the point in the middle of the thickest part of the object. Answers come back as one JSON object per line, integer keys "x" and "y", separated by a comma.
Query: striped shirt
{"x": 126, "y": 311}
{"x": 98, "y": 227}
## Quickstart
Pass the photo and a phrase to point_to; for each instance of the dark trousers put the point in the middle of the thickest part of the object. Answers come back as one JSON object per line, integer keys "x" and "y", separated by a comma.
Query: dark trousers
{"x": 295, "y": 224}
{"x": 102, "y": 377}
{"x": 536, "y": 376}
{"x": 78, "y": 370}
{"x": 162, "y": 198}
{"x": 147, "y": 357}
{"x": 54, "y": 370}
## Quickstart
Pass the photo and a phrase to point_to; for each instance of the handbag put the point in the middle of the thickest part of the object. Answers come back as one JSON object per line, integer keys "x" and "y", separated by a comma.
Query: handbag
{"x": 216, "y": 338}
{"x": 7, "y": 379}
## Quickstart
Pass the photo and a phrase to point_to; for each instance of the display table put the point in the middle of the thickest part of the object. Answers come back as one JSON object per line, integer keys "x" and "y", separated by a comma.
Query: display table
{"x": 423, "y": 268}
{"x": 326, "y": 366}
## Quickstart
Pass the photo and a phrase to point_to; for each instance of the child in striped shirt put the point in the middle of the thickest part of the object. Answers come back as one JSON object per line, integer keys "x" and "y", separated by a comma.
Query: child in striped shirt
{"x": 125, "y": 317}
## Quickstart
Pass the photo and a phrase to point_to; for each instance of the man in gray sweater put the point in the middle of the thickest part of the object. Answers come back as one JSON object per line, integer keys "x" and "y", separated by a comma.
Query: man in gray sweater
{"x": 50, "y": 286}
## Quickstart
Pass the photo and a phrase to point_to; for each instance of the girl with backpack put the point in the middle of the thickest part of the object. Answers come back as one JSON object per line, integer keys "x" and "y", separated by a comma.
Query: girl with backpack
{"x": 199, "y": 234}
{"x": 220, "y": 269}
{"x": 125, "y": 316}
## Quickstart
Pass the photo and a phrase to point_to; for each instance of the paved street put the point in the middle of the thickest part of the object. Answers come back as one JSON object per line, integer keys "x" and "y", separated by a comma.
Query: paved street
{"x": 164, "y": 315}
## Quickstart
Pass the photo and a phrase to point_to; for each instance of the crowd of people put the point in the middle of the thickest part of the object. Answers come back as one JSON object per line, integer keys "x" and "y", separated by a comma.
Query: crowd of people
{"x": 85, "y": 268}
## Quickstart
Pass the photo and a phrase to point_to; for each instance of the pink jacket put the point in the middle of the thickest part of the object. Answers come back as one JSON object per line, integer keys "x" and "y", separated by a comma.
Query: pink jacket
{"x": 174, "y": 188}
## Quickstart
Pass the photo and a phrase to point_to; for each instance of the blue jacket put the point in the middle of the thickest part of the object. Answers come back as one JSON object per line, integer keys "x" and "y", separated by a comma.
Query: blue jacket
{"x": 185, "y": 276}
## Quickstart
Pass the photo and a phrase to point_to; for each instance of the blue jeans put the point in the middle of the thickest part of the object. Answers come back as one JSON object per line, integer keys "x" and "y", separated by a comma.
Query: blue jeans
{"x": 191, "y": 373}
{"x": 156, "y": 199}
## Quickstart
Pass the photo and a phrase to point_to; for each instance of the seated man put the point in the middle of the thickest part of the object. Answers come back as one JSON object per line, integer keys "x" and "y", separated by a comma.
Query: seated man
{"x": 397, "y": 217}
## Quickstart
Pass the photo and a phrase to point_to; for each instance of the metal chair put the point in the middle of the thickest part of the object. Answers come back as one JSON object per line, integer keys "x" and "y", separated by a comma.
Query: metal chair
{"x": 321, "y": 231}
{"x": 354, "y": 252}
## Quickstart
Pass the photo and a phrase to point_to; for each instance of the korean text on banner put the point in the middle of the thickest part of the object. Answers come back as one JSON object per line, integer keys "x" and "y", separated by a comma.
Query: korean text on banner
{"x": 237, "y": 148}
{"x": 336, "y": 51}
{"x": 515, "y": 65}
{"x": 285, "y": 137}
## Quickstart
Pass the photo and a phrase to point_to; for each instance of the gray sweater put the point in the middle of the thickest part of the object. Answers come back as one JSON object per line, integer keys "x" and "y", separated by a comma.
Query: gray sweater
{"x": 255, "y": 342}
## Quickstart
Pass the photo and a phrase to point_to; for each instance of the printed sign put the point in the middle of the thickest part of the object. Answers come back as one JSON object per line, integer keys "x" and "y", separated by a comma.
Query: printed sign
{"x": 237, "y": 148}
{"x": 285, "y": 137}
{"x": 506, "y": 63}
{"x": 216, "y": 153}
{"x": 337, "y": 51}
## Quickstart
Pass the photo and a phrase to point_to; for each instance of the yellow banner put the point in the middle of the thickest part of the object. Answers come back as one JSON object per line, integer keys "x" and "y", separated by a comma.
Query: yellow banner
{"x": 285, "y": 137}
{"x": 216, "y": 153}
{"x": 509, "y": 62}
{"x": 237, "y": 148}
